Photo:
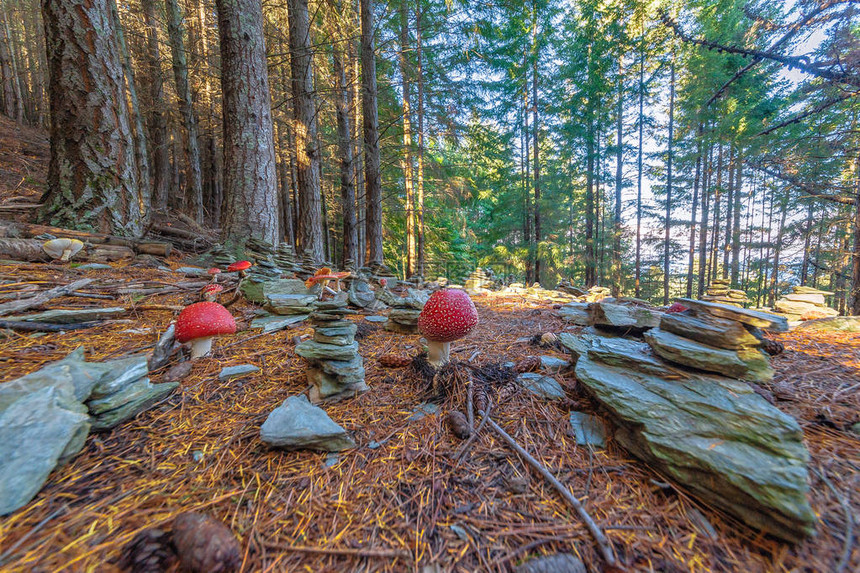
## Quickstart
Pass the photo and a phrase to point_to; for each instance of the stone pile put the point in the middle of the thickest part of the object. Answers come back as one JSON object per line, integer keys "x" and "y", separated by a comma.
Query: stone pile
{"x": 804, "y": 303}
{"x": 479, "y": 282}
{"x": 403, "y": 316}
{"x": 720, "y": 291}
{"x": 285, "y": 258}
{"x": 713, "y": 435}
{"x": 307, "y": 266}
{"x": 717, "y": 338}
{"x": 336, "y": 369}
{"x": 45, "y": 416}
{"x": 377, "y": 271}
{"x": 220, "y": 256}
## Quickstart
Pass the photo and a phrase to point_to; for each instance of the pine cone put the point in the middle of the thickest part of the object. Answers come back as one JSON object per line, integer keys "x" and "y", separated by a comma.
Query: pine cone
{"x": 395, "y": 360}
{"x": 205, "y": 545}
{"x": 458, "y": 424}
{"x": 149, "y": 552}
{"x": 528, "y": 364}
{"x": 772, "y": 347}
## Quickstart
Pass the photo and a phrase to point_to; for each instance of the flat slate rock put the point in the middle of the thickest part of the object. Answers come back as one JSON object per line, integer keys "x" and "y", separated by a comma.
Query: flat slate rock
{"x": 72, "y": 371}
{"x": 238, "y": 370}
{"x": 298, "y": 424}
{"x": 276, "y": 322}
{"x": 620, "y": 316}
{"x": 755, "y": 318}
{"x": 37, "y": 432}
{"x": 576, "y": 313}
{"x": 553, "y": 365}
{"x": 716, "y": 437}
{"x": 557, "y": 563}
{"x": 835, "y": 324}
{"x": 745, "y": 363}
{"x": 540, "y": 385}
{"x": 375, "y": 318}
{"x": 588, "y": 430}
{"x": 93, "y": 267}
{"x": 193, "y": 271}
{"x": 69, "y": 316}
{"x": 119, "y": 374}
{"x": 320, "y": 351}
{"x": 709, "y": 329}
{"x": 130, "y": 403}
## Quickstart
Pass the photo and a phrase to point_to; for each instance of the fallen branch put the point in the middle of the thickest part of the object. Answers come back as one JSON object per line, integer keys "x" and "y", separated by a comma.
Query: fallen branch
{"x": 369, "y": 552}
{"x": 42, "y": 297}
{"x": 596, "y": 532}
{"x": 28, "y": 326}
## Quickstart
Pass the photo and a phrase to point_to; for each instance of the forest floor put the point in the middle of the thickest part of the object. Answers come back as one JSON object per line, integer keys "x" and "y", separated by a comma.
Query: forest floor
{"x": 24, "y": 155}
{"x": 398, "y": 493}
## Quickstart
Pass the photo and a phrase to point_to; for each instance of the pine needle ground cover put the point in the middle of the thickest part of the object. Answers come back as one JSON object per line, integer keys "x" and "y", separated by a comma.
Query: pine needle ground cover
{"x": 399, "y": 501}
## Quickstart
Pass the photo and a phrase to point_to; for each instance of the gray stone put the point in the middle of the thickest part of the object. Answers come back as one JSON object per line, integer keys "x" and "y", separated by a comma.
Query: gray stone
{"x": 275, "y": 322}
{"x": 238, "y": 370}
{"x": 815, "y": 299}
{"x": 375, "y": 318}
{"x": 348, "y": 329}
{"x": 404, "y": 316}
{"x": 119, "y": 374}
{"x": 810, "y": 290}
{"x": 71, "y": 372}
{"x": 709, "y": 329}
{"x": 93, "y": 267}
{"x": 290, "y": 303}
{"x": 37, "y": 431}
{"x": 298, "y": 424}
{"x": 71, "y": 315}
{"x": 558, "y": 563}
{"x": 135, "y": 402}
{"x": 745, "y": 363}
{"x": 837, "y": 324}
{"x": 540, "y": 385}
{"x": 576, "y": 313}
{"x": 755, "y": 318}
{"x": 400, "y": 328}
{"x": 619, "y": 316}
{"x": 319, "y": 351}
{"x": 588, "y": 430}
{"x": 716, "y": 437}
{"x": 360, "y": 294}
{"x": 553, "y": 365}
{"x": 193, "y": 271}
{"x": 422, "y": 410}
{"x": 796, "y": 307}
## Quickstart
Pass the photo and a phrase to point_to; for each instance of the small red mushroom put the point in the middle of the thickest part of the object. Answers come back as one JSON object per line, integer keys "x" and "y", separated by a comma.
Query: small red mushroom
{"x": 198, "y": 323}
{"x": 240, "y": 266}
{"x": 383, "y": 282}
{"x": 676, "y": 307}
{"x": 210, "y": 291}
{"x": 214, "y": 272}
{"x": 448, "y": 315}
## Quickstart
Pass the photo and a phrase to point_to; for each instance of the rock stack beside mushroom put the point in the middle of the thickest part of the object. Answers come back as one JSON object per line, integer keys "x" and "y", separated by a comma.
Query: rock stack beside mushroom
{"x": 403, "y": 317}
{"x": 336, "y": 369}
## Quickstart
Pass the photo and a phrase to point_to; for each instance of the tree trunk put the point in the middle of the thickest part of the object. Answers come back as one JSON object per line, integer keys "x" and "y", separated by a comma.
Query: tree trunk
{"x": 619, "y": 155}
{"x": 736, "y": 219}
{"x": 703, "y": 226}
{"x": 780, "y": 235}
{"x": 590, "y": 208}
{"x": 718, "y": 191}
{"x": 406, "y": 158}
{"x": 807, "y": 240}
{"x": 250, "y": 184}
{"x": 638, "y": 260}
{"x": 692, "y": 251}
{"x": 156, "y": 120}
{"x": 372, "y": 183}
{"x": 854, "y": 299}
{"x": 536, "y": 146}
{"x": 730, "y": 198}
{"x": 11, "y": 80}
{"x": 92, "y": 175}
{"x": 347, "y": 179}
{"x": 357, "y": 143}
{"x": 194, "y": 192}
{"x": 666, "y": 243}
{"x": 527, "y": 195}
{"x": 419, "y": 200}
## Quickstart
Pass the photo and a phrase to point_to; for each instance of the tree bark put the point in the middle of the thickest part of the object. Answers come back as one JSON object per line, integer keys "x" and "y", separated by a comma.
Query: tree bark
{"x": 619, "y": 156}
{"x": 14, "y": 99}
{"x": 156, "y": 120}
{"x": 347, "y": 175}
{"x": 666, "y": 241}
{"x": 537, "y": 181}
{"x": 406, "y": 158}
{"x": 692, "y": 251}
{"x": 703, "y": 226}
{"x": 638, "y": 258}
{"x": 736, "y": 219}
{"x": 194, "y": 192}
{"x": 250, "y": 183}
{"x": 92, "y": 175}
{"x": 419, "y": 199}
{"x": 372, "y": 183}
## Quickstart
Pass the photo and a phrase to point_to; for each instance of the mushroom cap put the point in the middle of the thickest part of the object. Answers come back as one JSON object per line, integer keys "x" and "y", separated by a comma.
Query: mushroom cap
{"x": 212, "y": 288}
{"x": 323, "y": 271}
{"x": 56, "y": 247}
{"x": 448, "y": 315}
{"x": 214, "y": 271}
{"x": 676, "y": 307}
{"x": 383, "y": 281}
{"x": 239, "y": 266}
{"x": 316, "y": 278}
{"x": 203, "y": 319}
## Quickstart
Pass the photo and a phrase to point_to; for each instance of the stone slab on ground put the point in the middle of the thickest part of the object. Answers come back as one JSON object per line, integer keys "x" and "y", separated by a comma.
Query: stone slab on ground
{"x": 298, "y": 424}
{"x": 752, "y": 317}
{"x": 708, "y": 329}
{"x": 275, "y": 322}
{"x": 620, "y": 316}
{"x": 575, "y": 313}
{"x": 715, "y": 437}
{"x": 68, "y": 316}
{"x": 237, "y": 370}
{"x": 540, "y": 385}
{"x": 588, "y": 430}
{"x": 835, "y": 324}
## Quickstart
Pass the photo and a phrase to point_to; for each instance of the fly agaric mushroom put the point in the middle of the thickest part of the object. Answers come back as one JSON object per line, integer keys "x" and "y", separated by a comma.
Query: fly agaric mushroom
{"x": 63, "y": 249}
{"x": 214, "y": 272}
{"x": 448, "y": 315}
{"x": 324, "y": 275}
{"x": 210, "y": 292}
{"x": 198, "y": 323}
{"x": 676, "y": 307}
{"x": 240, "y": 266}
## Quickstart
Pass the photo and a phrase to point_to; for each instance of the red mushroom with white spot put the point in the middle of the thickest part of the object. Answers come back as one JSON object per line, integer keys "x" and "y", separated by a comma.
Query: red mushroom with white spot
{"x": 200, "y": 322}
{"x": 214, "y": 272}
{"x": 449, "y": 315}
{"x": 210, "y": 292}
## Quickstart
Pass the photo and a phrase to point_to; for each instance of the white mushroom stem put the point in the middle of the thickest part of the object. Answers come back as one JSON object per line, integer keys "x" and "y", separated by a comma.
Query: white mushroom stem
{"x": 201, "y": 347}
{"x": 438, "y": 353}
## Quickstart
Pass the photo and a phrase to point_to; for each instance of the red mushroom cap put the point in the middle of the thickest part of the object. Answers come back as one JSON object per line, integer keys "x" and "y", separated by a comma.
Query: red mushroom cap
{"x": 212, "y": 288}
{"x": 203, "y": 319}
{"x": 383, "y": 281}
{"x": 214, "y": 271}
{"x": 239, "y": 266}
{"x": 676, "y": 307}
{"x": 448, "y": 315}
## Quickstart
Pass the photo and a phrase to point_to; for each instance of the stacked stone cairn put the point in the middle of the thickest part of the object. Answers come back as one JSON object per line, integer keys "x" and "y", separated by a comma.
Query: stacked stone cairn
{"x": 720, "y": 291}
{"x": 376, "y": 271}
{"x": 307, "y": 266}
{"x": 285, "y": 258}
{"x": 403, "y": 317}
{"x": 804, "y": 303}
{"x": 717, "y": 338}
{"x": 220, "y": 256}
{"x": 336, "y": 369}
{"x": 479, "y": 282}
